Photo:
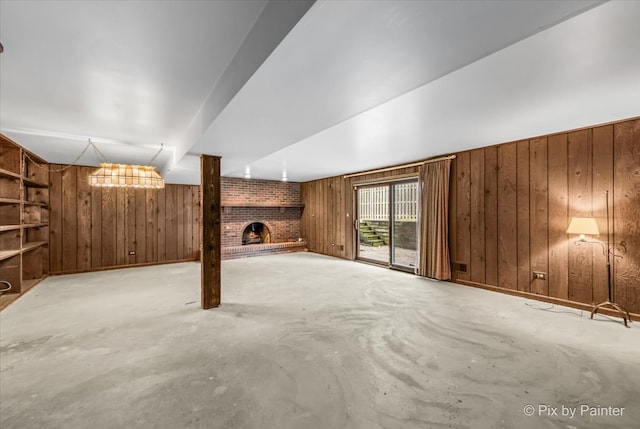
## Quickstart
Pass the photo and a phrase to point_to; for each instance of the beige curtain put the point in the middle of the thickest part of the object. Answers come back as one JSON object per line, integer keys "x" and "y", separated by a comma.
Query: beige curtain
{"x": 434, "y": 220}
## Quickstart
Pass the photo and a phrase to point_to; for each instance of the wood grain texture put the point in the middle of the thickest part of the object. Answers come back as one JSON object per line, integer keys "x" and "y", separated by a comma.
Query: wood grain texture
{"x": 211, "y": 227}
{"x": 96, "y": 231}
{"x": 538, "y": 201}
{"x": 463, "y": 220}
{"x": 580, "y": 196}
{"x": 109, "y": 227}
{"x": 69, "y": 220}
{"x": 95, "y": 228}
{"x": 524, "y": 184}
{"x": 626, "y": 203}
{"x": 121, "y": 226}
{"x": 55, "y": 220}
{"x": 83, "y": 217}
{"x": 491, "y": 215}
{"x": 558, "y": 278}
{"x": 602, "y": 181}
{"x": 453, "y": 217}
{"x": 557, "y": 176}
{"x": 507, "y": 217}
{"x": 477, "y": 233}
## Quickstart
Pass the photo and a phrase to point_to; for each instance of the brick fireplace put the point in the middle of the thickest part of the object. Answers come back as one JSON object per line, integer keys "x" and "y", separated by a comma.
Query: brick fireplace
{"x": 246, "y": 203}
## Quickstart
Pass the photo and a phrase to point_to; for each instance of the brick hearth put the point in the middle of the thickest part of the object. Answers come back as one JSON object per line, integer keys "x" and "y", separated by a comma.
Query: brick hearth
{"x": 276, "y": 204}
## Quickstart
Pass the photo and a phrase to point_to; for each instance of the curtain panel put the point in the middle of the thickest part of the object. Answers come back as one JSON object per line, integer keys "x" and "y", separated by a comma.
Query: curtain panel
{"x": 435, "y": 261}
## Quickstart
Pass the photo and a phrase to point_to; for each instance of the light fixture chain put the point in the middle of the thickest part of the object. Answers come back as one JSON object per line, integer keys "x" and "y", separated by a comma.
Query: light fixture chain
{"x": 58, "y": 170}
{"x": 98, "y": 152}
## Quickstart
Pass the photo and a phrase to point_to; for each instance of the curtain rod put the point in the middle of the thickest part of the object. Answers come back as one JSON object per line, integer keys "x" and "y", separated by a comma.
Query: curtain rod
{"x": 397, "y": 167}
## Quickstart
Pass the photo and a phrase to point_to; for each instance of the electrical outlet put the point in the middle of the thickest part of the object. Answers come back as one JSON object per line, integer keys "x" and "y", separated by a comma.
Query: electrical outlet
{"x": 132, "y": 252}
{"x": 539, "y": 275}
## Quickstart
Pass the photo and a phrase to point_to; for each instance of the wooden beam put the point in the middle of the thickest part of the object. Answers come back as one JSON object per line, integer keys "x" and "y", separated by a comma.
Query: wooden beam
{"x": 211, "y": 252}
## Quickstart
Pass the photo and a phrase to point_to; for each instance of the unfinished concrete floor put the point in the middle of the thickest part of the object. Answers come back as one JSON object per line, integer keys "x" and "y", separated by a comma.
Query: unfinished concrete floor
{"x": 305, "y": 341}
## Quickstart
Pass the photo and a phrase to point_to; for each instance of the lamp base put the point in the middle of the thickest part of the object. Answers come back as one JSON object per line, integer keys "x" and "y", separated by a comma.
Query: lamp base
{"x": 613, "y": 305}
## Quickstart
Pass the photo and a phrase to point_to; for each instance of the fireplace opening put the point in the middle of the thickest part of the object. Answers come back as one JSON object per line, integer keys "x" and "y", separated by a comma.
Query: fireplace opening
{"x": 256, "y": 233}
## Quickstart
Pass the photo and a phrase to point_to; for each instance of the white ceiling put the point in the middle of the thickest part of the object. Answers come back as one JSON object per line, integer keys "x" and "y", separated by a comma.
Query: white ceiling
{"x": 354, "y": 85}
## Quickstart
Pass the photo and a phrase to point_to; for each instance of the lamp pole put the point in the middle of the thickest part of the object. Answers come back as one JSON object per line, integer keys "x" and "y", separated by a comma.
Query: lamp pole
{"x": 608, "y": 248}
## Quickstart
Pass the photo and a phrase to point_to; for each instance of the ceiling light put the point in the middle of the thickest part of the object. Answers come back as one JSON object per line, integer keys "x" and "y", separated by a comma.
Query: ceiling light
{"x": 126, "y": 175}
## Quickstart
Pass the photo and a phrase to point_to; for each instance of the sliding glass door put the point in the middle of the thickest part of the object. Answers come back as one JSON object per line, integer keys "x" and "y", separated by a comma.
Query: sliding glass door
{"x": 386, "y": 225}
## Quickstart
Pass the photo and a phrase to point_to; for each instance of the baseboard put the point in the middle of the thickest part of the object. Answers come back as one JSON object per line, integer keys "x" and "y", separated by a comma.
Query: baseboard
{"x": 559, "y": 301}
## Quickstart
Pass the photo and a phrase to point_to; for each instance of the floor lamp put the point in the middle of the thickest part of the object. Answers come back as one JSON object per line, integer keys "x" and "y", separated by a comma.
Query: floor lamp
{"x": 588, "y": 226}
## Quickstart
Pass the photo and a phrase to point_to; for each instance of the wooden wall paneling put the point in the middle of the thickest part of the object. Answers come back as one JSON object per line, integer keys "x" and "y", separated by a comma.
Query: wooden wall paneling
{"x": 195, "y": 195}
{"x": 523, "y": 178}
{"x": 55, "y": 220}
{"x": 453, "y": 217}
{"x": 310, "y": 216}
{"x": 602, "y": 181}
{"x": 161, "y": 229}
{"x": 350, "y": 218}
{"x": 310, "y": 196}
{"x": 491, "y": 214}
{"x": 171, "y": 222}
{"x": 69, "y": 220}
{"x": 108, "y": 227}
{"x": 319, "y": 245}
{"x": 463, "y": 224}
{"x": 84, "y": 218}
{"x": 626, "y": 213}
{"x": 342, "y": 239}
{"x": 580, "y": 189}
{"x": 180, "y": 222}
{"x": 121, "y": 226}
{"x": 96, "y": 228}
{"x": 211, "y": 239}
{"x": 507, "y": 217}
{"x": 188, "y": 239}
{"x": 320, "y": 218}
{"x": 538, "y": 201}
{"x": 331, "y": 217}
{"x": 146, "y": 231}
{"x": 349, "y": 231}
{"x": 130, "y": 216}
{"x": 558, "y": 278}
{"x": 477, "y": 262}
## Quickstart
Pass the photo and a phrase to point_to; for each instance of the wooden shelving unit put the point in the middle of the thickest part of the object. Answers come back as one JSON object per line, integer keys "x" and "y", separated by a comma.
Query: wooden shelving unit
{"x": 24, "y": 219}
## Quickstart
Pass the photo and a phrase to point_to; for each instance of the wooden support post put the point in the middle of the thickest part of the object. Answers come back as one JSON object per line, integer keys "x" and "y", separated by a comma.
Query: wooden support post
{"x": 211, "y": 252}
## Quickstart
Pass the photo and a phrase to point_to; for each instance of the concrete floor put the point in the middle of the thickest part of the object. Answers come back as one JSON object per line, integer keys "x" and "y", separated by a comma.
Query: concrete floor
{"x": 306, "y": 341}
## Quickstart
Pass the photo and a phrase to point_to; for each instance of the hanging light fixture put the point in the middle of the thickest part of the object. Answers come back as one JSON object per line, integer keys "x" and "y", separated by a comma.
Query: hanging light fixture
{"x": 126, "y": 175}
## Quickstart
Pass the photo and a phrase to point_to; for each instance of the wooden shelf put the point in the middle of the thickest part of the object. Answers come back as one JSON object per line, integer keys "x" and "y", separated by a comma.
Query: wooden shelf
{"x": 34, "y": 203}
{"x": 8, "y": 298}
{"x": 6, "y": 254}
{"x": 9, "y": 201}
{"x": 33, "y": 184}
{"x": 26, "y": 247}
{"x": 7, "y": 173}
{"x": 24, "y": 209}
{"x": 33, "y": 225}
{"x": 9, "y": 227}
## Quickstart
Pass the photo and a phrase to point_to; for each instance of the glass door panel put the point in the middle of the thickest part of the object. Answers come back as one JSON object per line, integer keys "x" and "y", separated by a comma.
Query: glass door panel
{"x": 404, "y": 225}
{"x": 373, "y": 223}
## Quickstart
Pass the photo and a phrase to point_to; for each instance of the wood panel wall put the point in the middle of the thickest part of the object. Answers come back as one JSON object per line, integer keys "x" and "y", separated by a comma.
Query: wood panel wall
{"x": 511, "y": 205}
{"x": 327, "y": 221}
{"x": 94, "y": 228}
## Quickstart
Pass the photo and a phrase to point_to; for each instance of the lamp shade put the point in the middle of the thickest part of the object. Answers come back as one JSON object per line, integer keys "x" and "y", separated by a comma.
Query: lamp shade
{"x": 583, "y": 226}
{"x": 126, "y": 175}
